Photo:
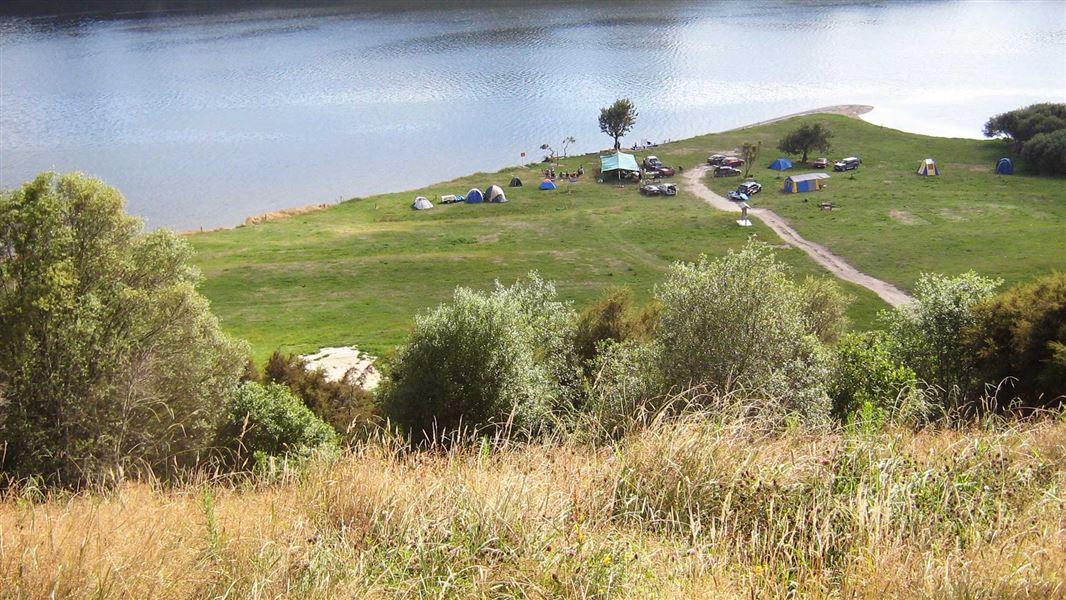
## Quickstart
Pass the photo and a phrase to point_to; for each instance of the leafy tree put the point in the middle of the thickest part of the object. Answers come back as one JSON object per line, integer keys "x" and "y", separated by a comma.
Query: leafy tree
{"x": 750, "y": 153}
{"x": 826, "y": 307}
{"x": 1046, "y": 152}
{"x": 566, "y": 143}
{"x": 618, "y": 119}
{"x": 928, "y": 333}
{"x": 269, "y": 421}
{"x": 484, "y": 359}
{"x": 1025, "y": 123}
{"x": 737, "y": 323}
{"x": 109, "y": 357}
{"x": 806, "y": 138}
{"x": 1021, "y": 334}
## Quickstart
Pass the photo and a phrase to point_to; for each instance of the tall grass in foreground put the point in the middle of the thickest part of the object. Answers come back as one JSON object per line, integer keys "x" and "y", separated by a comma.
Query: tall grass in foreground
{"x": 697, "y": 506}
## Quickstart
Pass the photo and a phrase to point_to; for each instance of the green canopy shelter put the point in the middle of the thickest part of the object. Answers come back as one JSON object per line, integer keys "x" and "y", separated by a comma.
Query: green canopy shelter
{"x": 617, "y": 164}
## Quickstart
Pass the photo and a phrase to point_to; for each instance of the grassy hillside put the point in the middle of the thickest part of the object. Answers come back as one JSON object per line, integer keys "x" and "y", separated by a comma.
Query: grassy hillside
{"x": 357, "y": 272}
{"x": 697, "y": 509}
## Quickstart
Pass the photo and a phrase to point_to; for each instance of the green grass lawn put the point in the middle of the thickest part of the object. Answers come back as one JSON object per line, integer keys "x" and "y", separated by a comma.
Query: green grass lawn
{"x": 357, "y": 272}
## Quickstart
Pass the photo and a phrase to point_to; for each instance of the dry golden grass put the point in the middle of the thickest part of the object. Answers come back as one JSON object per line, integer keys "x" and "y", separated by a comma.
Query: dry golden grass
{"x": 695, "y": 508}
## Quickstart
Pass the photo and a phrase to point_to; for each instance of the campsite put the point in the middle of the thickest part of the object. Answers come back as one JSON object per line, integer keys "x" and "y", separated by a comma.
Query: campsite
{"x": 357, "y": 272}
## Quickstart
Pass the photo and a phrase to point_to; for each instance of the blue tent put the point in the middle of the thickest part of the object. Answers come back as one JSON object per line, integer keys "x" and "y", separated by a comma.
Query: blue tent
{"x": 1004, "y": 167}
{"x": 781, "y": 164}
{"x": 474, "y": 196}
{"x": 547, "y": 184}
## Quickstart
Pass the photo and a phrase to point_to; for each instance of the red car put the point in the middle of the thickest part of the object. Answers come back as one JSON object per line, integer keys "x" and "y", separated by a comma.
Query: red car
{"x": 820, "y": 163}
{"x": 732, "y": 161}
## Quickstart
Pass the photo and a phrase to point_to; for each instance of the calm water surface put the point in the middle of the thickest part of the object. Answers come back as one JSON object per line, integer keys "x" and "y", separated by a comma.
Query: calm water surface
{"x": 204, "y": 119}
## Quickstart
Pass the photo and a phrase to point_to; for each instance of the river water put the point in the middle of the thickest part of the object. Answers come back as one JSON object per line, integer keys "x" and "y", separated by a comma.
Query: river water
{"x": 204, "y": 118}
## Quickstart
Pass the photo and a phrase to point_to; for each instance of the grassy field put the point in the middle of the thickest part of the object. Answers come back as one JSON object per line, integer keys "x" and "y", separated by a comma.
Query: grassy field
{"x": 357, "y": 272}
{"x": 703, "y": 508}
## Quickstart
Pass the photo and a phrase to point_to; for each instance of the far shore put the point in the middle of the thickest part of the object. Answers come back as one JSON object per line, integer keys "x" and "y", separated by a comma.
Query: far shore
{"x": 850, "y": 110}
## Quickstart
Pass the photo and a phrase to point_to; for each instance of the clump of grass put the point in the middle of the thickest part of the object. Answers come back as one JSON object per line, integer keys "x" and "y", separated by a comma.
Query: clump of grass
{"x": 695, "y": 505}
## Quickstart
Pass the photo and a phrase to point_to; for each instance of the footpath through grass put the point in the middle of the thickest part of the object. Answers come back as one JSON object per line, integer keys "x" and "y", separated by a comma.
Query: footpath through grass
{"x": 358, "y": 272}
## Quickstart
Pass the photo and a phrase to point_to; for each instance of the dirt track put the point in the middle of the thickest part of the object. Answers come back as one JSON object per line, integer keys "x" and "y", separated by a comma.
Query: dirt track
{"x": 693, "y": 179}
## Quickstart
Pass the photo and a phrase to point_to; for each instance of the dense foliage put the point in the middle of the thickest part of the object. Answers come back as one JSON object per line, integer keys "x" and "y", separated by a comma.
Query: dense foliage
{"x": 350, "y": 409}
{"x": 738, "y": 323}
{"x": 109, "y": 357}
{"x": 807, "y": 137}
{"x": 1039, "y": 131}
{"x": 484, "y": 359}
{"x": 618, "y": 119}
{"x": 269, "y": 421}
{"x": 928, "y": 334}
{"x": 615, "y": 318}
{"x": 1019, "y": 340}
{"x": 866, "y": 376}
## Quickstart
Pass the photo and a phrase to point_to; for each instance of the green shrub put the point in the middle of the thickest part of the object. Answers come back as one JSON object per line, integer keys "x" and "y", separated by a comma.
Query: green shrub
{"x": 737, "y": 323}
{"x": 1021, "y": 335}
{"x": 110, "y": 359}
{"x": 613, "y": 318}
{"x": 483, "y": 360}
{"x": 826, "y": 305}
{"x": 348, "y": 408}
{"x": 1046, "y": 153}
{"x": 625, "y": 386}
{"x": 927, "y": 334}
{"x": 866, "y": 377}
{"x": 269, "y": 421}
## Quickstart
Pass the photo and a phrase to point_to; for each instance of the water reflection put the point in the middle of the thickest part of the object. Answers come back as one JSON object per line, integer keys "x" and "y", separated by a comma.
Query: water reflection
{"x": 203, "y": 118}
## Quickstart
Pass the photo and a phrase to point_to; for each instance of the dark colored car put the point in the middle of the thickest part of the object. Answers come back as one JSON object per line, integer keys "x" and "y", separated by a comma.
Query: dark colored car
{"x": 726, "y": 172}
{"x": 847, "y": 164}
{"x": 732, "y": 161}
{"x": 820, "y": 163}
{"x": 650, "y": 189}
{"x": 715, "y": 159}
{"x": 653, "y": 165}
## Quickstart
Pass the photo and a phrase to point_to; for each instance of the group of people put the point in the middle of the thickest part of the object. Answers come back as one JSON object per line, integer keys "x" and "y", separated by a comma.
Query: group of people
{"x": 550, "y": 173}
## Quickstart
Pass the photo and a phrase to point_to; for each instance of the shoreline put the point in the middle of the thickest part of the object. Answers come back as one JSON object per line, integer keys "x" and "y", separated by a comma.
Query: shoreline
{"x": 854, "y": 111}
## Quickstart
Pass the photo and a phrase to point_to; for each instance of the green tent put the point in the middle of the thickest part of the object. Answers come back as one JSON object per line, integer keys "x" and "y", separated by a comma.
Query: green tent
{"x": 616, "y": 163}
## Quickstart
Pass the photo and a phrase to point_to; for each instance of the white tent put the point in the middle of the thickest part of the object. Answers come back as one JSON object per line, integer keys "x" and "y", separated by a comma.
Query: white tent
{"x": 495, "y": 194}
{"x": 928, "y": 168}
{"x": 421, "y": 203}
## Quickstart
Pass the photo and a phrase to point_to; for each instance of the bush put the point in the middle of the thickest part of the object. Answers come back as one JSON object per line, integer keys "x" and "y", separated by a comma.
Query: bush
{"x": 613, "y": 318}
{"x": 269, "y": 421}
{"x": 1021, "y": 334}
{"x": 483, "y": 360}
{"x": 826, "y": 305}
{"x": 625, "y": 386}
{"x": 1046, "y": 152}
{"x": 348, "y": 408}
{"x": 1026, "y": 123}
{"x": 109, "y": 357}
{"x": 867, "y": 377}
{"x": 738, "y": 323}
{"x": 927, "y": 335}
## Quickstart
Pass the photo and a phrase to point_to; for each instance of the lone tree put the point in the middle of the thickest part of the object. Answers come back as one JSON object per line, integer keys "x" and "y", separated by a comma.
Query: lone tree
{"x": 750, "y": 153}
{"x": 618, "y": 119}
{"x": 806, "y": 138}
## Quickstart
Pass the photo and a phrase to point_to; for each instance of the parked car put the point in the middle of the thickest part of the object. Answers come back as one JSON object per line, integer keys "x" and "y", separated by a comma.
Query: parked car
{"x": 820, "y": 163}
{"x": 652, "y": 164}
{"x": 650, "y": 189}
{"x": 733, "y": 161}
{"x": 715, "y": 159}
{"x": 750, "y": 187}
{"x": 668, "y": 189}
{"x": 726, "y": 171}
{"x": 847, "y": 164}
{"x": 738, "y": 196}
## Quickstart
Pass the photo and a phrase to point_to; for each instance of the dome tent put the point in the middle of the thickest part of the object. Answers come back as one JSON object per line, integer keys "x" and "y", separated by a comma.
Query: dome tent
{"x": 928, "y": 168}
{"x": 1004, "y": 167}
{"x": 474, "y": 196}
{"x": 547, "y": 184}
{"x": 516, "y": 182}
{"x": 421, "y": 203}
{"x": 494, "y": 193}
{"x": 781, "y": 164}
